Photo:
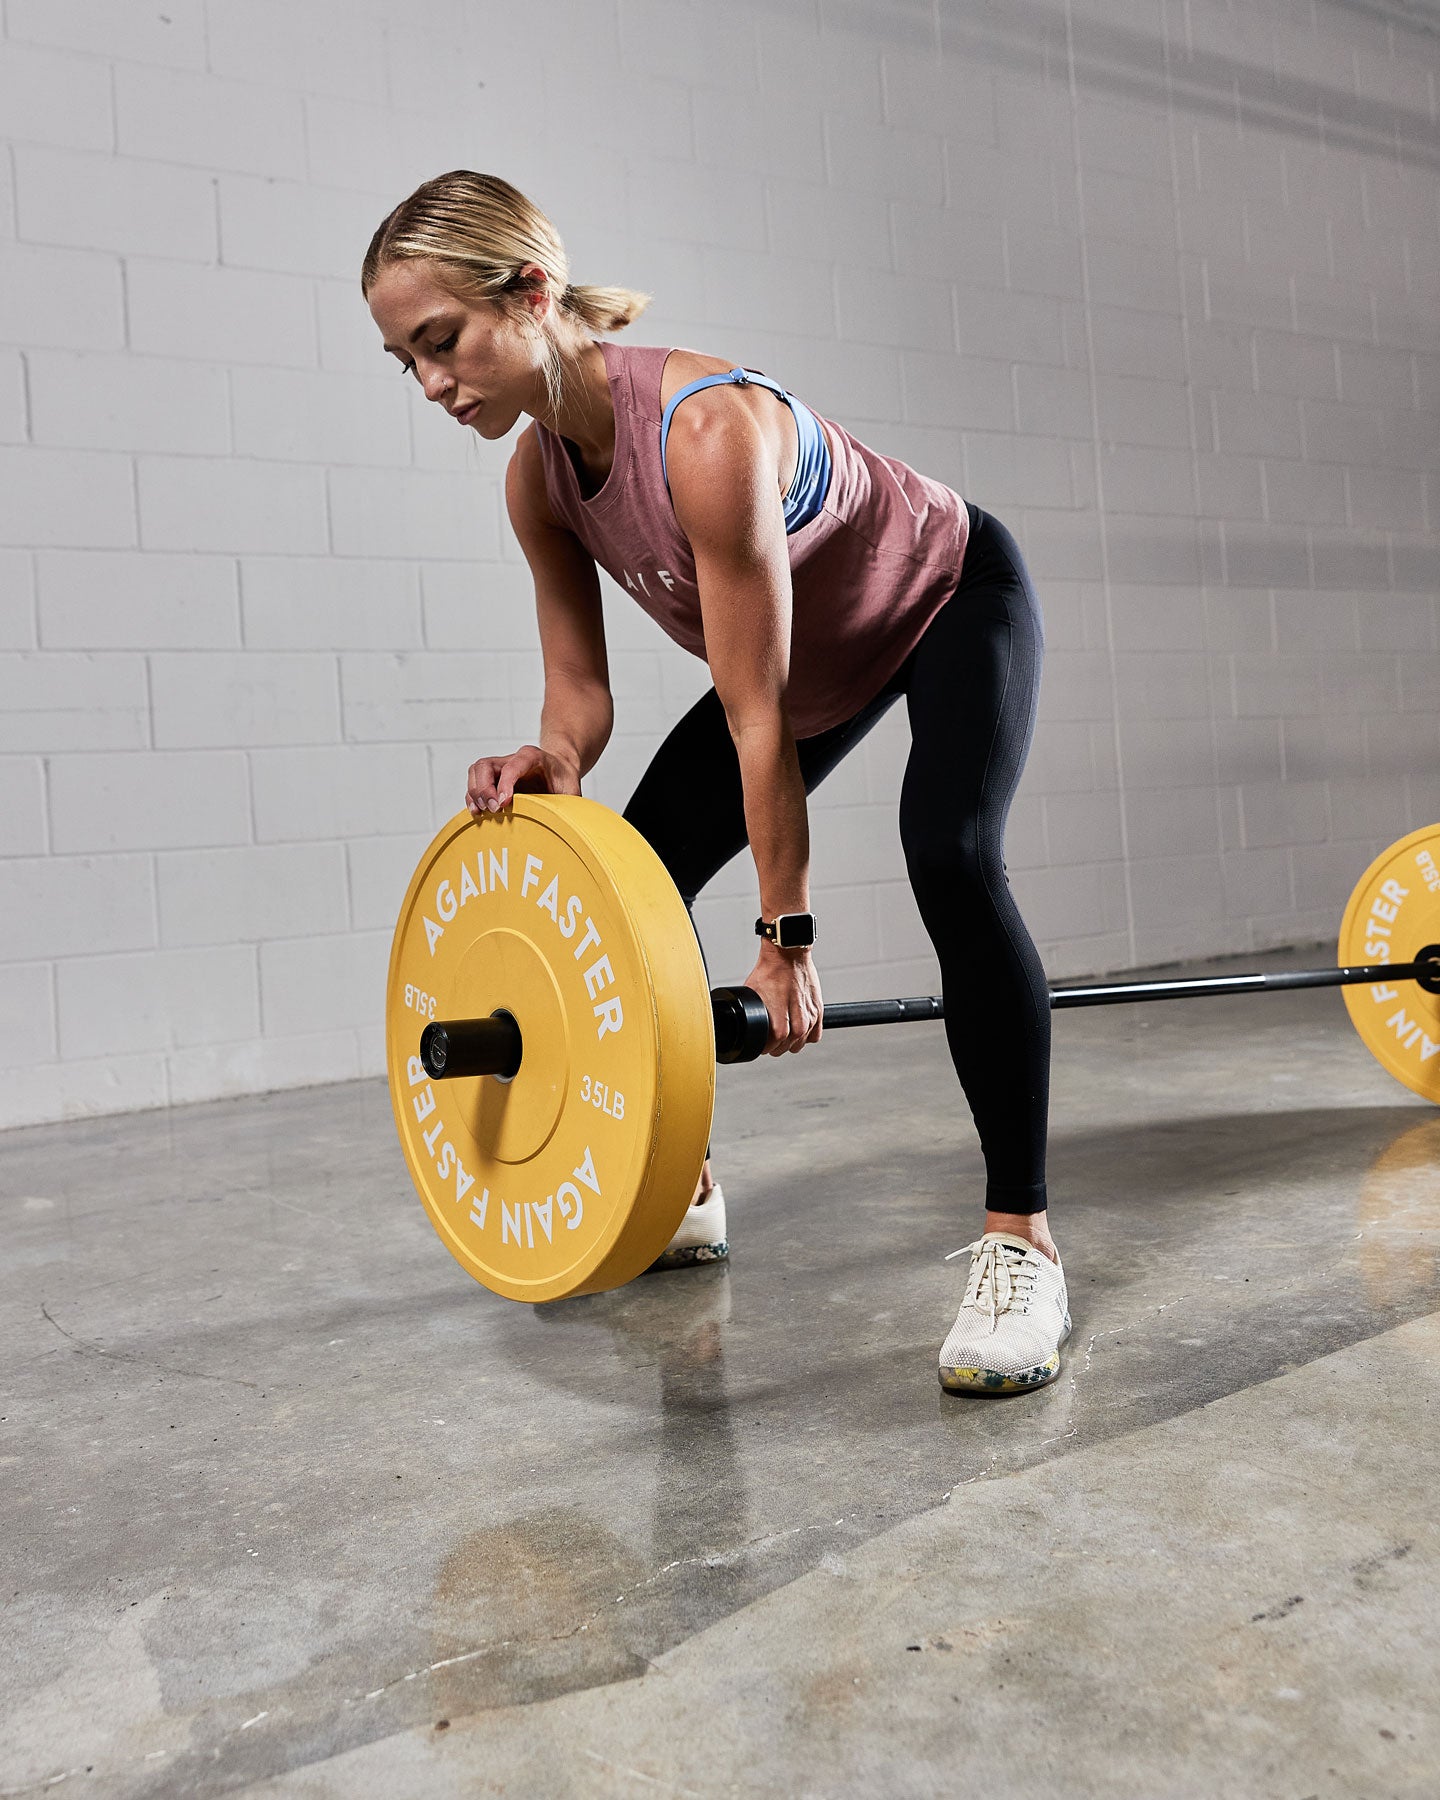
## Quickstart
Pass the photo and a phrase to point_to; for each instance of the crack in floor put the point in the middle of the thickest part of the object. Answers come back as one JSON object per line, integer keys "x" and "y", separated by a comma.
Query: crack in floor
{"x": 640, "y": 1775}
{"x": 84, "y": 1346}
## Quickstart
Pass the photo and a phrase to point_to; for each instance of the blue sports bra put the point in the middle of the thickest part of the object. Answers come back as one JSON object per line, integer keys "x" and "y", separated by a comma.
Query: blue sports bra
{"x": 807, "y": 490}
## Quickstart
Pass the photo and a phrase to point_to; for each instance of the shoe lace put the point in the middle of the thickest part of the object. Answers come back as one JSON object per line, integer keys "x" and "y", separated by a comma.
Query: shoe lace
{"x": 1002, "y": 1276}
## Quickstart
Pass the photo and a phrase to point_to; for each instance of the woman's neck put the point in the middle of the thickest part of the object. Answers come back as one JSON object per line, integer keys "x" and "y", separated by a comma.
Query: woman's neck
{"x": 586, "y": 413}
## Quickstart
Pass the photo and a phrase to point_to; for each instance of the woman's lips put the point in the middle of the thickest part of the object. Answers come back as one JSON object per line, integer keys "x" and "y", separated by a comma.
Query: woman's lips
{"x": 467, "y": 413}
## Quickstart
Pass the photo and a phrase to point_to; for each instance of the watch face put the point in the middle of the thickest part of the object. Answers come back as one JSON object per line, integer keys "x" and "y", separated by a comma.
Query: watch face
{"x": 795, "y": 931}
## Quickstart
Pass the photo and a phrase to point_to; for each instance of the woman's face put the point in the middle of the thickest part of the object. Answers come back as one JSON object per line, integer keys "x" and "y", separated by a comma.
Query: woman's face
{"x": 474, "y": 359}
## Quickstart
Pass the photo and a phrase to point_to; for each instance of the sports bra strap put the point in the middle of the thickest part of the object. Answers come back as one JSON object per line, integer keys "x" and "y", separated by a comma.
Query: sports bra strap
{"x": 811, "y": 480}
{"x": 740, "y": 378}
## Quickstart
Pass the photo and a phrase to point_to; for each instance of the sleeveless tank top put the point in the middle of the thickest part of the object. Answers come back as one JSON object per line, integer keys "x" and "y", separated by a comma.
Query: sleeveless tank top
{"x": 869, "y": 571}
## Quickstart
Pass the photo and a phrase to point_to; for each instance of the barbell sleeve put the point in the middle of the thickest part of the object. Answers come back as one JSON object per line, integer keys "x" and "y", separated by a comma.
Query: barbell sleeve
{"x": 450, "y": 1048}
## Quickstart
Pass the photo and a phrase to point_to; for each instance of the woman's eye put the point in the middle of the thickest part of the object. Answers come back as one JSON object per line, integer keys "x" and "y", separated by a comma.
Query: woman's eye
{"x": 449, "y": 344}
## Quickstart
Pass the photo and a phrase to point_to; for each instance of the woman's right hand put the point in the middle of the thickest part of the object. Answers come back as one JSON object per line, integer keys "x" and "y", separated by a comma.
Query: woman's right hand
{"x": 495, "y": 780}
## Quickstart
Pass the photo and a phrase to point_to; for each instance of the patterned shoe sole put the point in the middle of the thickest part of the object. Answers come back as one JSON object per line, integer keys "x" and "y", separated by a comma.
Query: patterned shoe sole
{"x": 688, "y": 1258}
{"x": 991, "y": 1381}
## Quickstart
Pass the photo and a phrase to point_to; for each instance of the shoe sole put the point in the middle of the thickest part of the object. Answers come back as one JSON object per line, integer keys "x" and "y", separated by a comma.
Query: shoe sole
{"x": 689, "y": 1257}
{"x": 992, "y": 1381}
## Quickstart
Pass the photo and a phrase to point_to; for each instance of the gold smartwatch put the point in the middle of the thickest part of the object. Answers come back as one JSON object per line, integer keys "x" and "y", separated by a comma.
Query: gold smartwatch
{"x": 788, "y": 931}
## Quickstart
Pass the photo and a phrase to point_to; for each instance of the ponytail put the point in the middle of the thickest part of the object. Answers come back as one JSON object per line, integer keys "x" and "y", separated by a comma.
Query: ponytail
{"x": 604, "y": 308}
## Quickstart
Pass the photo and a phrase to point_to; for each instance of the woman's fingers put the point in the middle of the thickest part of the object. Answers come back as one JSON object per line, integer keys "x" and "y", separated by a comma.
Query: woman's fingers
{"x": 806, "y": 1008}
{"x": 775, "y": 1004}
{"x": 480, "y": 785}
{"x": 792, "y": 999}
{"x": 804, "y": 1028}
{"x": 493, "y": 780}
{"x": 792, "y": 1027}
{"x": 525, "y": 763}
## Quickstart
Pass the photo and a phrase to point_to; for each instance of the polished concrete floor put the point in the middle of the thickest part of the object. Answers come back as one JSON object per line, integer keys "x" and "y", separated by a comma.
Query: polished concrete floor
{"x": 292, "y": 1508}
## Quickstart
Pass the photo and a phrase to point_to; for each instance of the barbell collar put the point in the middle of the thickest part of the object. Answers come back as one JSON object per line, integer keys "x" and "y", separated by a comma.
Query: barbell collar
{"x": 451, "y": 1048}
{"x": 742, "y": 1024}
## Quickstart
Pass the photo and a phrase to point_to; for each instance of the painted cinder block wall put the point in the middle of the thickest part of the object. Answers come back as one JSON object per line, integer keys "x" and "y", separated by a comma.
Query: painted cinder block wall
{"x": 1156, "y": 281}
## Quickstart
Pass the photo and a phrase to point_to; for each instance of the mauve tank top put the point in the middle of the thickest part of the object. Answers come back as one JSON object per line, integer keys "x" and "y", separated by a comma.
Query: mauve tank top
{"x": 868, "y": 574}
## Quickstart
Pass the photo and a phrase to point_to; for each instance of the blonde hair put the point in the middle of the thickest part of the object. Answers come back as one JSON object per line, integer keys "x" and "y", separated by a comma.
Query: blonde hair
{"x": 483, "y": 232}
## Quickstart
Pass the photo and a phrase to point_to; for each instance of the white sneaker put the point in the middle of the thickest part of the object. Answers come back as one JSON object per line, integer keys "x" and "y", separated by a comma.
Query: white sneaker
{"x": 700, "y": 1237}
{"x": 1012, "y": 1321}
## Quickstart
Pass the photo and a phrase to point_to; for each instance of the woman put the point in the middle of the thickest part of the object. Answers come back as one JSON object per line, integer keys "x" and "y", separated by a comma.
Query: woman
{"x": 820, "y": 581}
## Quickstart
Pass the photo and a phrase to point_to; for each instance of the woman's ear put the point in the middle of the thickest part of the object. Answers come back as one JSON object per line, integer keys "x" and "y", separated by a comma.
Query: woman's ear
{"x": 536, "y": 291}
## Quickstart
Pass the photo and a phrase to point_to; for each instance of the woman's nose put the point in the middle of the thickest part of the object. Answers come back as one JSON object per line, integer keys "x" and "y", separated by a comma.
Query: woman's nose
{"x": 437, "y": 384}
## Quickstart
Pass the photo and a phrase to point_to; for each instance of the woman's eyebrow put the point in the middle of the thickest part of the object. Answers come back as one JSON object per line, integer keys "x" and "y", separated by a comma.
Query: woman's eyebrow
{"x": 417, "y": 333}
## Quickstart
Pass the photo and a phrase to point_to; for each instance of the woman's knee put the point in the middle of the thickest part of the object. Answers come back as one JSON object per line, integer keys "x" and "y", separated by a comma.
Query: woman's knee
{"x": 960, "y": 854}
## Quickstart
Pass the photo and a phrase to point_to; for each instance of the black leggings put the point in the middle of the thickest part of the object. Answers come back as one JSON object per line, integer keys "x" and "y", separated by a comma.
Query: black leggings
{"x": 970, "y": 686}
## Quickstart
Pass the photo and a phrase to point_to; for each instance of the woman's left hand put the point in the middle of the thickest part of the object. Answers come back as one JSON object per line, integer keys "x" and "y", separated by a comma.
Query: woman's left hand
{"x": 789, "y": 984}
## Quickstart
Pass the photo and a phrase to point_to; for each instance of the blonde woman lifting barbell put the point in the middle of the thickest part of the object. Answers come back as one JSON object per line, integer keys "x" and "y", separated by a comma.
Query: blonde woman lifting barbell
{"x": 820, "y": 582}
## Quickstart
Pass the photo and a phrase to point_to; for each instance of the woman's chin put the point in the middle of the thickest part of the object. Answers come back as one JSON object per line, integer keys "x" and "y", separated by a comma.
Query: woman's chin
{"x": 492, "y": 424}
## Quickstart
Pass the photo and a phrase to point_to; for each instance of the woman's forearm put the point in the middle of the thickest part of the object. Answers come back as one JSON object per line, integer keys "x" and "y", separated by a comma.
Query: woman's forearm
{"x": 775, "y": 815}
{"x": 576, "y": 720}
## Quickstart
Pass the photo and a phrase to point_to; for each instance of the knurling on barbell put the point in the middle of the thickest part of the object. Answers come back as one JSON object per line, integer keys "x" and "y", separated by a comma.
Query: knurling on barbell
{"x": 556, "y": 1110}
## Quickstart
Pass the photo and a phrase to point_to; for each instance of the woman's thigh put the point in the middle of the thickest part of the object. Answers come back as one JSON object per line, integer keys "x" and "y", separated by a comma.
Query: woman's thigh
{"x": 971, "y": 689}
{"x": 689, "y": 805}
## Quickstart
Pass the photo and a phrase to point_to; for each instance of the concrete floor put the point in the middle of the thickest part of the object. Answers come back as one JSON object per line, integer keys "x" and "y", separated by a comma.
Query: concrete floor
{"x": 292, "y": 1508}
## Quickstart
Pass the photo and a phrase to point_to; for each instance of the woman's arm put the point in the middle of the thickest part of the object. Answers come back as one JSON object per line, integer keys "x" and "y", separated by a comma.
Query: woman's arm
{"x": 577, "y": 714}
{"x": 725, "y": 484}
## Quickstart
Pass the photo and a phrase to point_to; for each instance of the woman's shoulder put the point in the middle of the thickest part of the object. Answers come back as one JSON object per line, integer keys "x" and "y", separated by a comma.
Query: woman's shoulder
{"x": 682, "y": 366}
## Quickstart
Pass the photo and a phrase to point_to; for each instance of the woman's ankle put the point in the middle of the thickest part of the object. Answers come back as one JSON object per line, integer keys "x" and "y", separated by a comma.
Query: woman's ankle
{"x": 1033, "y": 1227}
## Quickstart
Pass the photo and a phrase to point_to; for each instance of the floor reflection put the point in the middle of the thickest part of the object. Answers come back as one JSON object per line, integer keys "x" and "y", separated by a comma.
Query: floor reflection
{"x": 1399, "y": 1216}
{"x": 676, "y": 1322}
{"x": 567, "y": 1596}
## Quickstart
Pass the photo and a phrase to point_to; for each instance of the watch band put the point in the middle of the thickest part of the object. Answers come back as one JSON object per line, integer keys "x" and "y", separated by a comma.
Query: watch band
{"x": 788, "y": 931}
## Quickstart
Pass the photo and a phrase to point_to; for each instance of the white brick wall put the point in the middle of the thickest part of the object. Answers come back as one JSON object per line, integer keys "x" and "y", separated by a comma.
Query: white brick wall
{"x": 1101, "y": 266}
{"x": 132, "y": 600}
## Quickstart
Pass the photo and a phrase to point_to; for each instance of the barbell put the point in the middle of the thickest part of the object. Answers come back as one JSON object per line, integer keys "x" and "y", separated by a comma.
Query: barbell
{"x": 551, "y": 1039}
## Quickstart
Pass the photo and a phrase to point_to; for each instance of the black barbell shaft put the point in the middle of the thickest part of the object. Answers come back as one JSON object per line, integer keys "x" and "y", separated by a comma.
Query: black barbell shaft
{"x": 1198, "y": 987}
{"x": 742, "y": 1041}
{"x": 455, "y": 1047}
{"x": 931, "y": 1006}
